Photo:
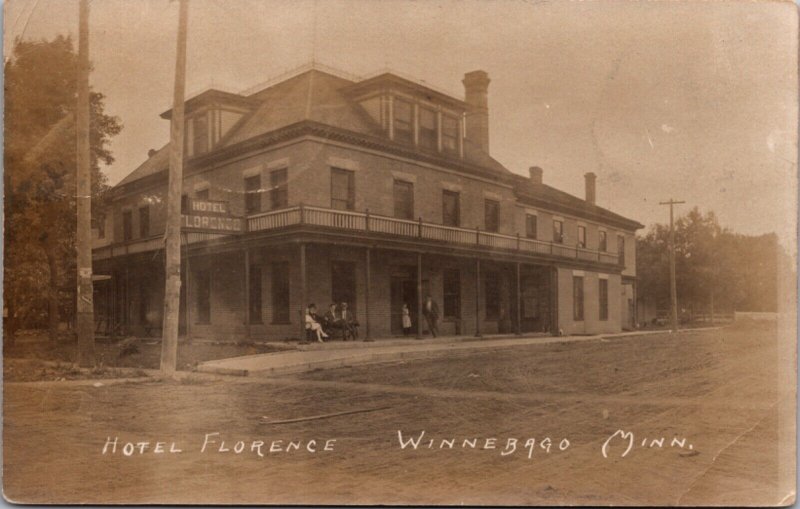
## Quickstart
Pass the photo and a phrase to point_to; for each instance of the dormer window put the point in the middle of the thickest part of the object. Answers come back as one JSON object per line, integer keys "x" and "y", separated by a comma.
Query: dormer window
{"x": 449, "y": 134}
{"x": 412, "y": 114}
{"x": 427, "y": 129}
{"x": 197, "y": 139}
{"x": 200, "y": 134}
{"x": 402, "y": 121}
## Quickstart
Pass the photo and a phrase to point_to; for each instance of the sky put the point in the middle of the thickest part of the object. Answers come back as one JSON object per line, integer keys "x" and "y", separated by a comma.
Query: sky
{"x": 690, "y": 100}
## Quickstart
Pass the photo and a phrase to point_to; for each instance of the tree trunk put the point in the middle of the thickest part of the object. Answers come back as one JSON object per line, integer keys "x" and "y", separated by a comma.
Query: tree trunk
{"x": 52, "y": 294}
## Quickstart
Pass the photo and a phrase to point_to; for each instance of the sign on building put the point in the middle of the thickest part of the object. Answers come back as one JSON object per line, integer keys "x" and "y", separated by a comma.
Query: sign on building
{"x": 210, "y": 217}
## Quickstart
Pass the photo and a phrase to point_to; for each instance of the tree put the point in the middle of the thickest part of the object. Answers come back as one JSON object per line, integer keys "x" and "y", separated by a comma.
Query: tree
{"x": 716, "y": 269}
{"x": 39, "y": 158}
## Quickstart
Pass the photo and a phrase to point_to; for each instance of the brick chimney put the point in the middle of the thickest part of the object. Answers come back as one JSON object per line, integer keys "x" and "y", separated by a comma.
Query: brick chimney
{"x": 591, "y": 187}
{"x": 476, "y": 95}
{"x": 536, "y": 174}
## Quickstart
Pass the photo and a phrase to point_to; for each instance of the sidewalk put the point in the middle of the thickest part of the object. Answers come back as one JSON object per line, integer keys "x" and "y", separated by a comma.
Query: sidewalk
{"x": 334, "y": 355}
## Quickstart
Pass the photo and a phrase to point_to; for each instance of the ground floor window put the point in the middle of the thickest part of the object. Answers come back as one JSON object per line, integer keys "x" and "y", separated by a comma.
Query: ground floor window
{"x": 343, "y": 284}
{"x": 491, "y": 286}
{"x": 280, "y": 292}
{"x": 452, "y": 293}
{"x": 255, "y": 295}
{"x": 604, "y": 299}
{"x": 144, "y": 302}
{"x": 203, "y": 283}
{"x": 577, "y": 298}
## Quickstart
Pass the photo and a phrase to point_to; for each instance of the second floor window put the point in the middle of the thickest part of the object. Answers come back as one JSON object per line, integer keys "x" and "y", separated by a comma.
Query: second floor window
{"x": 449, "y": 133}
{"x": 184, "y": 204}
{"x": 202, "y": 194}
{"x": 144, "y": 221}
{"x": 558, "y": 231}
{"x": 621, "y": 249}
{"x": 603, "y": 241}
{"x": 279, "y": 188}
{"x": 402, "y": 121}
{"x": 127, "y": 225}
{"x": 403, "y": 200}
{"x": 582, "y": 236}
{"x": 101, "y": 227}
{"x": 343, "y": 190}
{"x": 451, "y": 208}
{"x": 530, "y": 226}
{"x": 427, "y": 129}
{"x": 492, "y": 215}
{"x": 252, "y": 194}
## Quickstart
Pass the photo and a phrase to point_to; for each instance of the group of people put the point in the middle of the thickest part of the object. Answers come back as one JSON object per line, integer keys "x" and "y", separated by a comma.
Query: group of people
{"x": 336, "y": 319}
{"x": 340, "y": 319}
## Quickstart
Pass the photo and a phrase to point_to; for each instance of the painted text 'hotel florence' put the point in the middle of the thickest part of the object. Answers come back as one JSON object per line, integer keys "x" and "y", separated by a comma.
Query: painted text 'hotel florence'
{"x": 376, "y": 192}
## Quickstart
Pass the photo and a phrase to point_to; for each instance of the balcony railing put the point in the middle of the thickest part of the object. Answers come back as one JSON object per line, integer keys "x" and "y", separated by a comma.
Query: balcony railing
{"x": 371, "y": 223}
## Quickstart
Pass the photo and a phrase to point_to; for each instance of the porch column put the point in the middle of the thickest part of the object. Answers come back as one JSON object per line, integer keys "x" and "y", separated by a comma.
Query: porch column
{"x": 519, "y": 300}
{"x": 126, "y": 309}
{"x": 188, "y": 294}
{"x": 636, "y": 305}
{"x": 419, "y": 295}
{"x": 554, "y": 328}
{"x": 367, "y": 284}
{"x": 114, "y": 299}
{"x": 247, "y": 293}
{"x": 303, "y": 294}
{"x": 477, "y": 298}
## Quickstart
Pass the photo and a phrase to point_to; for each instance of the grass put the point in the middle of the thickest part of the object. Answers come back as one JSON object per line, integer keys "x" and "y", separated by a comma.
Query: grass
{"x": 139, "y": 354}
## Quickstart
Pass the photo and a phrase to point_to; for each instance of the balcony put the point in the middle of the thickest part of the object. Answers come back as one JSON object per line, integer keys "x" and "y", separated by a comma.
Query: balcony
{"x": 364, "y": 222}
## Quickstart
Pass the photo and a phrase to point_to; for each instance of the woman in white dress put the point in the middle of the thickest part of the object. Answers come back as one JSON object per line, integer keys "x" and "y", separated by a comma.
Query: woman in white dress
{"x": 312, "y": 323}
{"x": 406, "y": 320}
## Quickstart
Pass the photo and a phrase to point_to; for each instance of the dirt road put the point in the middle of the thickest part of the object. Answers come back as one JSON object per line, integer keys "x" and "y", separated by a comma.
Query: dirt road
{"x": 718, "y": 399}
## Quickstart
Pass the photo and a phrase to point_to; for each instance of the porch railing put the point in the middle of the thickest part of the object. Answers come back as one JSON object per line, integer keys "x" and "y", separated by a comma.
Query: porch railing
{"x": 371, "y": 223}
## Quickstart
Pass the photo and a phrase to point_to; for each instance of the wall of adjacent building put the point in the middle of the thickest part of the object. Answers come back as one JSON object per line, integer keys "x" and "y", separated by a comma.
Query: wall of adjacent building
{"x": 591, "y": 323}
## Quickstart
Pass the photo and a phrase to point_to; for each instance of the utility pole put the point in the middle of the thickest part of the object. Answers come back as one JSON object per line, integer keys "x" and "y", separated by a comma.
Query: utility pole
{"x": 673, "y": 288}
{"x": 84, "y": 322}
{"x": 172, "y": 292}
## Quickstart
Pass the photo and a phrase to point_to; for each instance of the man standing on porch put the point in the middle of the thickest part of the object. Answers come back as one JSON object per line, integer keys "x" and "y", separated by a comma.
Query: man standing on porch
{"x": 431, "y": 312}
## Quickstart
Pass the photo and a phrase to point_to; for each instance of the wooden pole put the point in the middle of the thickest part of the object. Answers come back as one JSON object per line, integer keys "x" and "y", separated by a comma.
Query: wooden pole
{"x": 303, "y": 292}
{"x": 172, "y": 292}
{"x": 419, "y": 296}
{"x": 367, "y": 284}
{"x": 477, "y": 298}
{"x": 519, "y": 300}
{"x": 247, "y": 317}
{"x": 84, "y": 321}
{"x": 673, "y": 287}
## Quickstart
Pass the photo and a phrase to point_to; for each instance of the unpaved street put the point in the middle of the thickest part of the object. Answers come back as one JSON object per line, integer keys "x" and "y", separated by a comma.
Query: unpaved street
{"x": 714, "y": 397}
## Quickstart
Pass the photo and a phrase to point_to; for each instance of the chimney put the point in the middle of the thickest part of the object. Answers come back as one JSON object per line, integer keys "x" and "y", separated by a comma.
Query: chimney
{"x": 591, "y": 188}
{"x": 476, "y": 95}
{"x": 536, "y": 174}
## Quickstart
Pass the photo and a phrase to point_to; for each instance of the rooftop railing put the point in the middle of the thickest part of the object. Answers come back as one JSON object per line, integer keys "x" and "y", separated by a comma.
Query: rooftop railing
{"x": 371, "y": 223}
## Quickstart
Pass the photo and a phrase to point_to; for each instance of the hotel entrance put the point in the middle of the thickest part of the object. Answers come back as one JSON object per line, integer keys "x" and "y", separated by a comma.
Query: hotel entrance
{"x": 403, "y": 289}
